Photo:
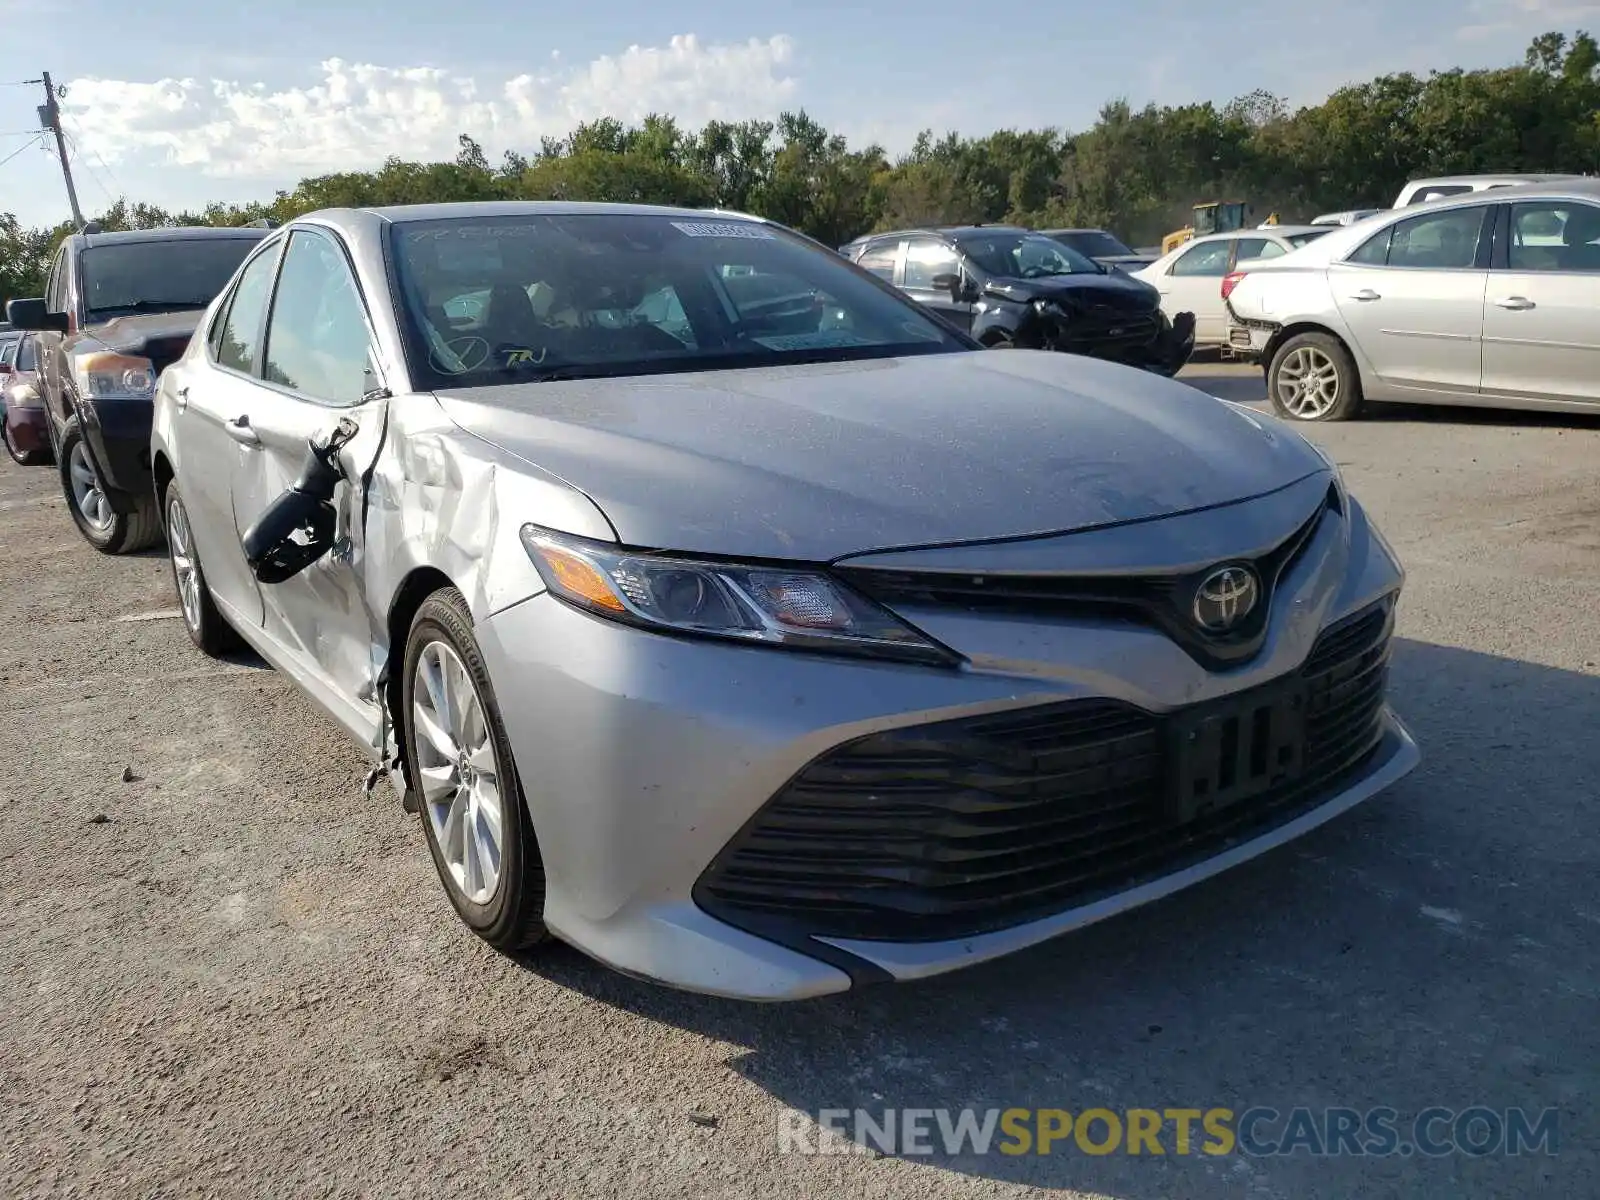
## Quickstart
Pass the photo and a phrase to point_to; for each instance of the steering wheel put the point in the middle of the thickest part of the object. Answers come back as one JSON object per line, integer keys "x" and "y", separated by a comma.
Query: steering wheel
{"x": 471, "y": 352}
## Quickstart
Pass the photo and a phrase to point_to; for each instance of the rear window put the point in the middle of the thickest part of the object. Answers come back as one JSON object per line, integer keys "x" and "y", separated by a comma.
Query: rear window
{"x": 157, "y": 276}
{"x": 1096, "y": 243}
{"x": 1300, "y": 239}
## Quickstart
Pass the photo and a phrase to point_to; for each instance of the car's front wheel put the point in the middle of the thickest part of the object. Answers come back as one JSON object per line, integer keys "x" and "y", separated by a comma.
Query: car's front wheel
{"x": 461, "y": 768}
{"x": 1313, "y": 378}
{"x": 107, "y": 530}
{"x": 207, "y": 627}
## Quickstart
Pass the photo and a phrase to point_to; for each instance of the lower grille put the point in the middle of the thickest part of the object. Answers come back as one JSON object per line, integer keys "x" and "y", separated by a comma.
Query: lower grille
{"x": 968, "y": 826}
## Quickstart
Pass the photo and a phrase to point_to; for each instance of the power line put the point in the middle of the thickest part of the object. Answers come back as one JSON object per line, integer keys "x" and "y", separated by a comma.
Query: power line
{"x": 100, "y": 183}
{"x": 19, "y": 150}
{"x": 77, "y": 146}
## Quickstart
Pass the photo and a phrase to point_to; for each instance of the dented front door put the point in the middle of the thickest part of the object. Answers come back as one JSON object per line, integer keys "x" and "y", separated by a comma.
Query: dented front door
{"x": 319, "y": 368}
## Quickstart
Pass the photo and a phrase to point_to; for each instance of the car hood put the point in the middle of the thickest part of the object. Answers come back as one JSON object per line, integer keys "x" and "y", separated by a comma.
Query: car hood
{"x": 134, "y": 332}
{"x": 1116, "y": 288}
{"x": 820, "y": 461}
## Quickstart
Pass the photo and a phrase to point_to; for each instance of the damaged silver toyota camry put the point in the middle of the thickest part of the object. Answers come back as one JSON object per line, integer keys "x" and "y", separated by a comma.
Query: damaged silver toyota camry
{"x": 726, "y": 615}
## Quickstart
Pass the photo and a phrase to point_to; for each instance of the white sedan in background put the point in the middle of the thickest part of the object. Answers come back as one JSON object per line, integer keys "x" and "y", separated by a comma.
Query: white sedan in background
{"x": 1488, "y": 298}
{"x": 1190, "y": 277}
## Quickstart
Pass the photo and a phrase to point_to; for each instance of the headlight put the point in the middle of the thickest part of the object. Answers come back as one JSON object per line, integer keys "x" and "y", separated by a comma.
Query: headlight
{"x": 798, "y": 607}
{"x": 107, "y": 376}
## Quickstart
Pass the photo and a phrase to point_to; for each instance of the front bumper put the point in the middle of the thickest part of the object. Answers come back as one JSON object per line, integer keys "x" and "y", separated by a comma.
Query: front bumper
{"x": 118, "y": 432}
{"x": 645, "y": 760}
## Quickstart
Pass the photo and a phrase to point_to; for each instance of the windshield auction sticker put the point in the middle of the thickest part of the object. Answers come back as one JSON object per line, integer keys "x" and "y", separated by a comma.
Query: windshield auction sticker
{"x": 724, "y": 229}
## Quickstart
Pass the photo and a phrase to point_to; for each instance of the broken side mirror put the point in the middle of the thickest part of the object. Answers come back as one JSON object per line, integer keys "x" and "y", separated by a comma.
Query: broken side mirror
{"x": 298, "y": 528}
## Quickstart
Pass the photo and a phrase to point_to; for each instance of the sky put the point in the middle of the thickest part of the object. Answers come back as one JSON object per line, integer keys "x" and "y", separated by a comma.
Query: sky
{"x": 193, "y": 101}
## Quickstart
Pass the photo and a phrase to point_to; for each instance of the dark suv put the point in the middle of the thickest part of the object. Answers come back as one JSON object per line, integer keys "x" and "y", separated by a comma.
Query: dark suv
{"x": 117, "y": 309}
{"x": 1011, "y": 287}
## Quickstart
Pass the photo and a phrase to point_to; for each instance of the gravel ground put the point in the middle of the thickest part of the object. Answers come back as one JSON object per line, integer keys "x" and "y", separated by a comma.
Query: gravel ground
{"x": 223, "y": 970}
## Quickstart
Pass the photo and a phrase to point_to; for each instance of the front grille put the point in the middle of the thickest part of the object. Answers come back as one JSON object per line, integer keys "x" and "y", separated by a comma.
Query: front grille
{"x": 1161, "y": 601}
{"x": 1107, "y": 335}
{"x": 964, "y": 827}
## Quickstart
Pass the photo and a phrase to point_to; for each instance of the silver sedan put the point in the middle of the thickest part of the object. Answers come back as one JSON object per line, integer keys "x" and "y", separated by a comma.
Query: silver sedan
{"x": 1487, "y": 299}
{"x": 725, "y": 615}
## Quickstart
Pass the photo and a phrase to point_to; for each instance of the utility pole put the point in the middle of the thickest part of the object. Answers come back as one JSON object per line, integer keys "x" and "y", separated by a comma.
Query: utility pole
{"x": 50, "y": 118}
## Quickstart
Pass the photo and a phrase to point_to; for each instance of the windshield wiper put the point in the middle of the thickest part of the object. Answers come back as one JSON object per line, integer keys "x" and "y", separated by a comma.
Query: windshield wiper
{"x": 148, "y": 306}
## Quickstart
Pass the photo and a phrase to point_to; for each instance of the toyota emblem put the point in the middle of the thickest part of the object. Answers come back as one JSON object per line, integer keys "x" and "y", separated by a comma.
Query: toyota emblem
{"x": 1225, "y": 598}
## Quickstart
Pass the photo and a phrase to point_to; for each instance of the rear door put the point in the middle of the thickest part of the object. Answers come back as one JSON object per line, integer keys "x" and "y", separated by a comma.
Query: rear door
{"x": 1541, "y": 314}
{"x": 926, "y": 260}
{"x": 1412, "y": 298}
{"x": 1192, "y": 282}
{"x": 318, "y": 367}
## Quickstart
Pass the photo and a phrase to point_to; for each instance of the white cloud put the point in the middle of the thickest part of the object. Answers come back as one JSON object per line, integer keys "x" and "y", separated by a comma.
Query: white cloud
{"x": 359, "y": 114}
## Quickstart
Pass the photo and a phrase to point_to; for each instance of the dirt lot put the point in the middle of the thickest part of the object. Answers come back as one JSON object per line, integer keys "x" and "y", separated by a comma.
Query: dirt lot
{"x": 235, "y": 974}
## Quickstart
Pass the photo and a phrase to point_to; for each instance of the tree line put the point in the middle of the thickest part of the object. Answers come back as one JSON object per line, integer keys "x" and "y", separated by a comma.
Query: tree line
{"x": 1136, "y": 172}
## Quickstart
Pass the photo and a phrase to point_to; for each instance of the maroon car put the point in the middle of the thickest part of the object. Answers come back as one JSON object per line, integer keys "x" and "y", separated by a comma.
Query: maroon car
{"x": 24, "y": 425}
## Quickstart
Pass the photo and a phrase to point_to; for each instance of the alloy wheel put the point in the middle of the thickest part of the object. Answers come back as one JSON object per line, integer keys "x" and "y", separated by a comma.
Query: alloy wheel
{"x": 460, "y": 777}
{"x": 184, "y": 567}
{"x": 1308, "y": 383}
{"x": 87, "y": 493}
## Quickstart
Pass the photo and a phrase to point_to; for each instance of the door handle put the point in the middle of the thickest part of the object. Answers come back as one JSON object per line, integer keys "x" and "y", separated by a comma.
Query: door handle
{"x": 1515, "y": 303}
{"x": 239, "y": 430}
{"x": 183, "y": 397}
{"x": 1366, "y": 294}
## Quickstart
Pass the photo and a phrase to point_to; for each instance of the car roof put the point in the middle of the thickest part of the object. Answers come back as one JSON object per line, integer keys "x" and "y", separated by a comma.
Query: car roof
{"x": 175, "y": 233}
{"x": 1574, "y": 187}
{"x": 953, "y": 233}
{"x": 1545, "y": 177}
{"x": 1280, "y": 230}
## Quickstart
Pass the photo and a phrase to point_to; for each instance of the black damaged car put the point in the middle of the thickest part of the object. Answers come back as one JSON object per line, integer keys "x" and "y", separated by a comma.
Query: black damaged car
{"x": 117, "y": 309}
{"x": 1013, "y": 288}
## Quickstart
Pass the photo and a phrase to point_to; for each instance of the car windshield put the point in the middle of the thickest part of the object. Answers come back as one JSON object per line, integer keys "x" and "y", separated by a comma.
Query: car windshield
{"x": 545, "y": 296}
{"x": 1300, "y": 239}
{"x": 1096, "y": 243}
{"x": 1025, "y": 256}
{"x": 158, "y": 276}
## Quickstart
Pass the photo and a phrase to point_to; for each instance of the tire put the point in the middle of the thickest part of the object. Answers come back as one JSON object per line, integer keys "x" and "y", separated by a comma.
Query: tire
{"x": 208, "y": 628}
{"x": 23, "y": 458}
{"x": 999, "y": 341}
{"x": 1313, "y": 378}
{"x": 107, "y": 531}
{"x": 510, "y": 914}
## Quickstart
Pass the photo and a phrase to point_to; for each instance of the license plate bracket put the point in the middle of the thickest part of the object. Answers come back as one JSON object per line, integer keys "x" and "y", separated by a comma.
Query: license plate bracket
{"x": 1234, "y": 749}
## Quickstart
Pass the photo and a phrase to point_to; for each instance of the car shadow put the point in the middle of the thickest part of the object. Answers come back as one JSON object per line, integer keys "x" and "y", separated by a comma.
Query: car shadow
{"x": 1437, "y": 946}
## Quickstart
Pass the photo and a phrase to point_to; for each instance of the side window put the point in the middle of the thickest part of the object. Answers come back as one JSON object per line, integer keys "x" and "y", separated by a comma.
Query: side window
{"x": 27, "y": 360}
{"x": 1251, "y": 248}
{"x": 317, "y": 341}
{"x": 880, "y": 260}
{"x": 1557, "y": 235}
{"x": 1208, "y": 258}
{"x": 1270, "y": 250}
{"x": 8, "y": 352}
{"x": 926, "y": 258}
{"x": 56, "y": 288}
{"x": 238, "y": 343}
{"x": 1438, "y": 240}
{"x": 1373, "y": 252}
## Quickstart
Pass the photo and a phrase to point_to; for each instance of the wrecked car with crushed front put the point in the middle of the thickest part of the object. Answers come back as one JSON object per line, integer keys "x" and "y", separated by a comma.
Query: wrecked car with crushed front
{"x": 725, "y": 614}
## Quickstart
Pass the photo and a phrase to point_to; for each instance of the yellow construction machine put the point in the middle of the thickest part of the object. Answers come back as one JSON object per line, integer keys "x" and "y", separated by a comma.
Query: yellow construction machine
{"x": 1216, "y": 216}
